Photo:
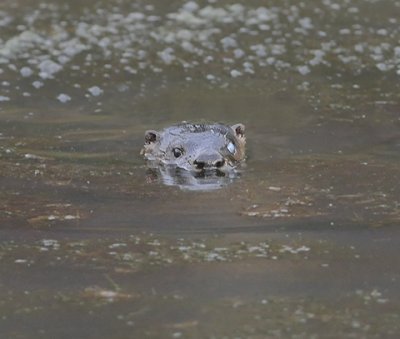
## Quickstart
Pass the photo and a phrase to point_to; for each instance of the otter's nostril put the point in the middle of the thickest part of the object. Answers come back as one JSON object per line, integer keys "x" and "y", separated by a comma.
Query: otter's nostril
{"x": 219, "y": 163}
{"x": 199, "y": 164}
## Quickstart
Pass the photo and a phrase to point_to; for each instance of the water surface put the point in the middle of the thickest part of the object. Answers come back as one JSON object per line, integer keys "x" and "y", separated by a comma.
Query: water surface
{"x": 304, "y": 243}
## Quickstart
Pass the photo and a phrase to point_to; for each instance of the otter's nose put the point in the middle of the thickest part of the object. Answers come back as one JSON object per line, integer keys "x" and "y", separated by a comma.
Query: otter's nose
{"x": 209, "y": 161}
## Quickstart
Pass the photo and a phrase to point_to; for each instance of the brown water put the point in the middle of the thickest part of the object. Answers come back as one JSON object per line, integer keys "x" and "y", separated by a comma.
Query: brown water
{"x": 303, "y": 244}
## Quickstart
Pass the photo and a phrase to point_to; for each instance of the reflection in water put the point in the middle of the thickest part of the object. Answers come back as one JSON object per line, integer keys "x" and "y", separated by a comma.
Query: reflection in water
{"x": 191, "y": 181}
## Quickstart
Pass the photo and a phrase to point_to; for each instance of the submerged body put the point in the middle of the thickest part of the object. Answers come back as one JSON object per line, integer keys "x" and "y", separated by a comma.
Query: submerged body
{"x": 197, "y": 147}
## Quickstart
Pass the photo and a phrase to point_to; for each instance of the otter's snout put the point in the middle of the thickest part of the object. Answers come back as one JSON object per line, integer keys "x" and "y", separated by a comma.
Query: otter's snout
{"x": 209, "y": 161}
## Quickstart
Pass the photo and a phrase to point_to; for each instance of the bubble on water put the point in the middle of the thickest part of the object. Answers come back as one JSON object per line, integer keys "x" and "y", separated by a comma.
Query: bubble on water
{"x": 3, "y": 98}
{"x": 238, "y": 53}
{"x": 248, "y": 67}
{"x": 382, "y": 32}
{"x": 5, "y": 19}
{"x": 95, "y": 91}
{"x": 20, "y": 43}
{"x": 20, "y": 261}
{"x": 346, "y": 59}
{"x": 264, "y": 27}
{"x": 31, "y": 156}
{"x": 48, "y": 68}
{"x": 278, "y": 49}
{"x": 335, "y": 6}
{"x": 63, "y": 98}
{"x": 264, "y": 14}
{"x": 188, "y": 46}
{"x": 73, "y": 47}
{"x": 153, "y": 18}
{"x": 215, "y": 14}
{"x": 383, "y": 67}
{"x": 167, "y": 55}
{"x": 228, "y": 42}
{"x": 134, "y": 17}
{"x": 195, "y": 35}
{"x": 235, "y": 73}
{"x": 50, "y": 242}
{"x": 190, "y": 6}
{"x": 303, "y": 70}
{"x": 63, "y": 59}
{"x": 130, "y": 70}
{"x": 318, "y": 57}
{"x": 185, "y": 17}
{"x": 306, "y": 23}
{"x": 260, "y": 50}
{"x": 37, "y": 84}
{"x": 359, "y": 48}
{"x": 26, "y": 72}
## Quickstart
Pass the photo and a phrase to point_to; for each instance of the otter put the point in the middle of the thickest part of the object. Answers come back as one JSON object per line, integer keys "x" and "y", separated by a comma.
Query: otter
{"x": 197, "y": 148}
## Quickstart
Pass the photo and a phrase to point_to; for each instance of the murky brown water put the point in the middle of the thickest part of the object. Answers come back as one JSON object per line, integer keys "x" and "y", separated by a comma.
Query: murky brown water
{"x": 304, "y": 244}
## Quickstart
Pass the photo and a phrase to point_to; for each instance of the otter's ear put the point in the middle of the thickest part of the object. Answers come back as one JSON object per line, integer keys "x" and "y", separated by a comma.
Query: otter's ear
{"x": 151, "y": 136}
{"x": 239, "y": 129}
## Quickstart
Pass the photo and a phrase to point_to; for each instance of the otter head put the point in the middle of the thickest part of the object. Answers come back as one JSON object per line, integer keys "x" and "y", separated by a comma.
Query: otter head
{"x": 197, "y": 147}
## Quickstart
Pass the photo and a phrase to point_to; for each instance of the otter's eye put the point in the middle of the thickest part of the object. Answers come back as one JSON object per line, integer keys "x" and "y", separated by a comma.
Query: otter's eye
{"x": 177, "y": 152}
{"x": 231, "y": 148}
